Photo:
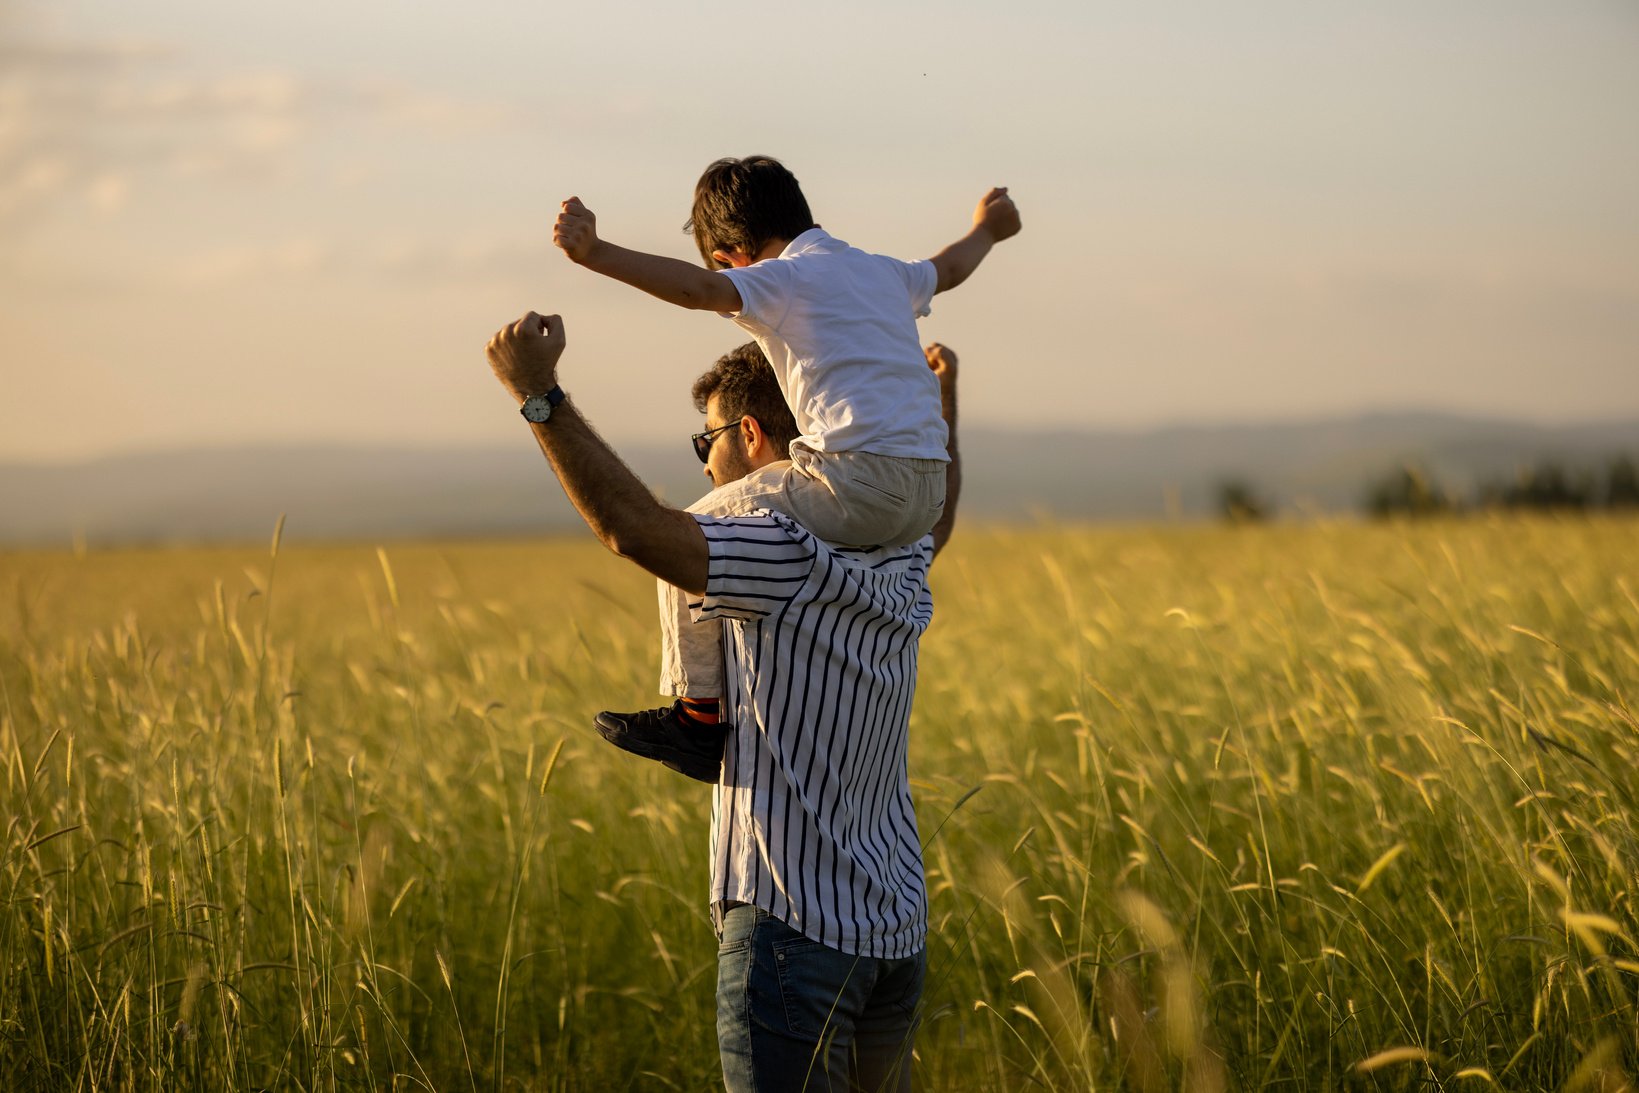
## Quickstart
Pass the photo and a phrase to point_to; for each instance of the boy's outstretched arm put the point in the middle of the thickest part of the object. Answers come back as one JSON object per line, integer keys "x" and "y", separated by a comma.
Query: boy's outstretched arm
{"x": 674, "y": 281}
{"x": 995, "y": 219}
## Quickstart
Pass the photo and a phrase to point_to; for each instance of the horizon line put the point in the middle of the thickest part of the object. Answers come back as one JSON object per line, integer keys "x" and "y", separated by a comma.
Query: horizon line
{"x": 636, "y": 444}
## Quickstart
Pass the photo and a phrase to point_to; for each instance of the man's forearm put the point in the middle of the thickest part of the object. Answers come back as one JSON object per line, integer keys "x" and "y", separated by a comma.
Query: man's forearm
{"x": 953, "y": 469}
{"x": 621, "y": 511}
{"x": 670, "y": 279}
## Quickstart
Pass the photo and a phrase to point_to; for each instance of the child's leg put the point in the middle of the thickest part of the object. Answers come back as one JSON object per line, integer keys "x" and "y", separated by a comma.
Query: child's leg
{"x": 691, "y": 653}
{"x": 847, "y": 499}
{"x": 689, "y": 735}
{"x": 864, "y": 499}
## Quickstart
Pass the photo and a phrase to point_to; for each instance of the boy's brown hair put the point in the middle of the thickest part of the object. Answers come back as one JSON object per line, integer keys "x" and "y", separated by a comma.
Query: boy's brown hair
{"x": 743, "y": 204}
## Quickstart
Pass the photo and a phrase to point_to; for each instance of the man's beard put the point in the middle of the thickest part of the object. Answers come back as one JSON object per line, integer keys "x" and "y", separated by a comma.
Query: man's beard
{"x": 735, "y": 463}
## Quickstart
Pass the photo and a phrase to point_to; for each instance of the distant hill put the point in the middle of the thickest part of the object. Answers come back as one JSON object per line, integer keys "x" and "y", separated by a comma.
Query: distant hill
{"x": 1009, "y": 474}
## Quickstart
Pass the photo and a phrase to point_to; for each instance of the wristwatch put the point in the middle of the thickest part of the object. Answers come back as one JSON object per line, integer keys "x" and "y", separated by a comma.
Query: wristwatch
{"x": 538, "y": 408}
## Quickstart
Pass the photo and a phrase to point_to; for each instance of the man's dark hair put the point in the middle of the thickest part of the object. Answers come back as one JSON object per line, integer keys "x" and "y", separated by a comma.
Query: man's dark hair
{"x": 744, "y": 384}
{"x": 745, "y": 203}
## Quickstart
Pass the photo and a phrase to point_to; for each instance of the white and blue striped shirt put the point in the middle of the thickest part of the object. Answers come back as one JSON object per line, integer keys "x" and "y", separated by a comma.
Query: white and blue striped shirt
{"x": 812, "y": 820}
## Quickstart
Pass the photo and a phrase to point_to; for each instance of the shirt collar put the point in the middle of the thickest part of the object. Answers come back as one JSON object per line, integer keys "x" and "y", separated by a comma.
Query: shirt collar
{"x": 812, "y": 239}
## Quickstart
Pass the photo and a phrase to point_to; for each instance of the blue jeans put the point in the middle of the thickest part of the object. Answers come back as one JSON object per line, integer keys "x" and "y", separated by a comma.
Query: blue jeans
{"x": 793, "y": 1014}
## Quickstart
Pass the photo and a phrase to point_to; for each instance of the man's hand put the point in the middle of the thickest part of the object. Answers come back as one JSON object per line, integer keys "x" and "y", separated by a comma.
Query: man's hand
{"x": 997, "y": 215}
{"x": 942, "y": 359}
{"x": 524, "y": 355}
{"x": 576, "y": 231}
{"x": 942, "y": 362}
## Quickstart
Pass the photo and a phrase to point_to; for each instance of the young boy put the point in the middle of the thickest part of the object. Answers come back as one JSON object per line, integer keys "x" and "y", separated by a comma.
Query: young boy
{"x": 838, "y": 326}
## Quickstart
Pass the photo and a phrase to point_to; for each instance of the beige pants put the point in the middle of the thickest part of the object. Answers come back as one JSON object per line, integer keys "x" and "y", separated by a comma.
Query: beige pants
{"x": 844, "y": 498}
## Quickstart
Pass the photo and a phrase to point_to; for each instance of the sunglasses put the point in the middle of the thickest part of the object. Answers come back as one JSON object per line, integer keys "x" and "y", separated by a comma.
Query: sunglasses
{"x": 703, "y": 441}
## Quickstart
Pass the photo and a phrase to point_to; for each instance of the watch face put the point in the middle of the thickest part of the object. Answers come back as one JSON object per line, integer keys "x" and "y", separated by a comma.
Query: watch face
{"x": 536, "y": 409}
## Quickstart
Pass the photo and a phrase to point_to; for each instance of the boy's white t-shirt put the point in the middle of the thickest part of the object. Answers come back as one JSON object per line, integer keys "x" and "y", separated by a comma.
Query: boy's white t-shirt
{"x": 839, "y": 327}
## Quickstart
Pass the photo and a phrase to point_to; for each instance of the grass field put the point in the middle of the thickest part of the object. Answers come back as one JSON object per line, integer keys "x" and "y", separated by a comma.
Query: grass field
{"x": 1299, "y": 808}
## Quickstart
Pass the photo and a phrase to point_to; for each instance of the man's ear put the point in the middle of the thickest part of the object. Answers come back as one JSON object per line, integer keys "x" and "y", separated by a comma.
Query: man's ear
{"x": 752, "y": 437}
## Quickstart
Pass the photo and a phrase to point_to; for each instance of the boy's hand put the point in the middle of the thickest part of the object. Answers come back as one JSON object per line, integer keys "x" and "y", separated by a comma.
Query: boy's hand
{"x": 942, "y": 359}
{"x": 576, "y": 230}
{"x": 997, "y": 215}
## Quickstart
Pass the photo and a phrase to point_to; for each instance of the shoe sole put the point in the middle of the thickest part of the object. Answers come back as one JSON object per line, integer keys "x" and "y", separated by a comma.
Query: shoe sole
{"x": 685, "y": 763}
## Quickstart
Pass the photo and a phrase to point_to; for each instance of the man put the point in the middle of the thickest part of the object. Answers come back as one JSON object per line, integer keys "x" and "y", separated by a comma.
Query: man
{"x": 816, "y": 877}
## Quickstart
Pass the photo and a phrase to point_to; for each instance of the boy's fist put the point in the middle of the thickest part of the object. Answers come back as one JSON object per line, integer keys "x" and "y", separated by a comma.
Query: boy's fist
{"x": 997, "y": 215}
{"x": 576, "y": 230}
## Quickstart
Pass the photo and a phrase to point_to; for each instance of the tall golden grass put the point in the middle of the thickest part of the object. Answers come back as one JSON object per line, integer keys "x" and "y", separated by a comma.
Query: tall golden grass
{"x": 1317, "y": 807}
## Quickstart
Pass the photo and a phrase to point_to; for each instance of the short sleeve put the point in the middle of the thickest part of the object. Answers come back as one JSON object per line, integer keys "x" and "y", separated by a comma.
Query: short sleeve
{"x": 756, "y": 565}
{"x": 921, "y": 281}
{"x": 765, "y": 292}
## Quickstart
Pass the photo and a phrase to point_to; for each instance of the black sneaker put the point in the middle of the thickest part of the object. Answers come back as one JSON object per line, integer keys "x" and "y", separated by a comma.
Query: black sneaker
{"x": 668, "y": 738}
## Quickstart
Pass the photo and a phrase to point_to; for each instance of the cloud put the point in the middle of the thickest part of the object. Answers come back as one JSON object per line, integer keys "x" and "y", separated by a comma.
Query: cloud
{"x": 20, "y": 53}
{"x": 294, "y": 258}
{"x": 459, "y": 258}
{"x": 108, "y": 192}
{"x": 428, "y": 115}
{"x": 85, "y": 126}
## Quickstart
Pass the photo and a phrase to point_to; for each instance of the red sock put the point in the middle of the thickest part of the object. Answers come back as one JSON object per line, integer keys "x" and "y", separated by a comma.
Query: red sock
{"x": 703, "y": 710}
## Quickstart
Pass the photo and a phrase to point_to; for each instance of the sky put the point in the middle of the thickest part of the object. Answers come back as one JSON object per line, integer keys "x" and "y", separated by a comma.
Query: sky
{"x": 233, "y": 224}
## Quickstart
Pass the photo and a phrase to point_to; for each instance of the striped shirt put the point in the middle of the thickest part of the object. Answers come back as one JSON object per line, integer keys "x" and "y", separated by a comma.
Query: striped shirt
{"x": 812, "y": 820}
